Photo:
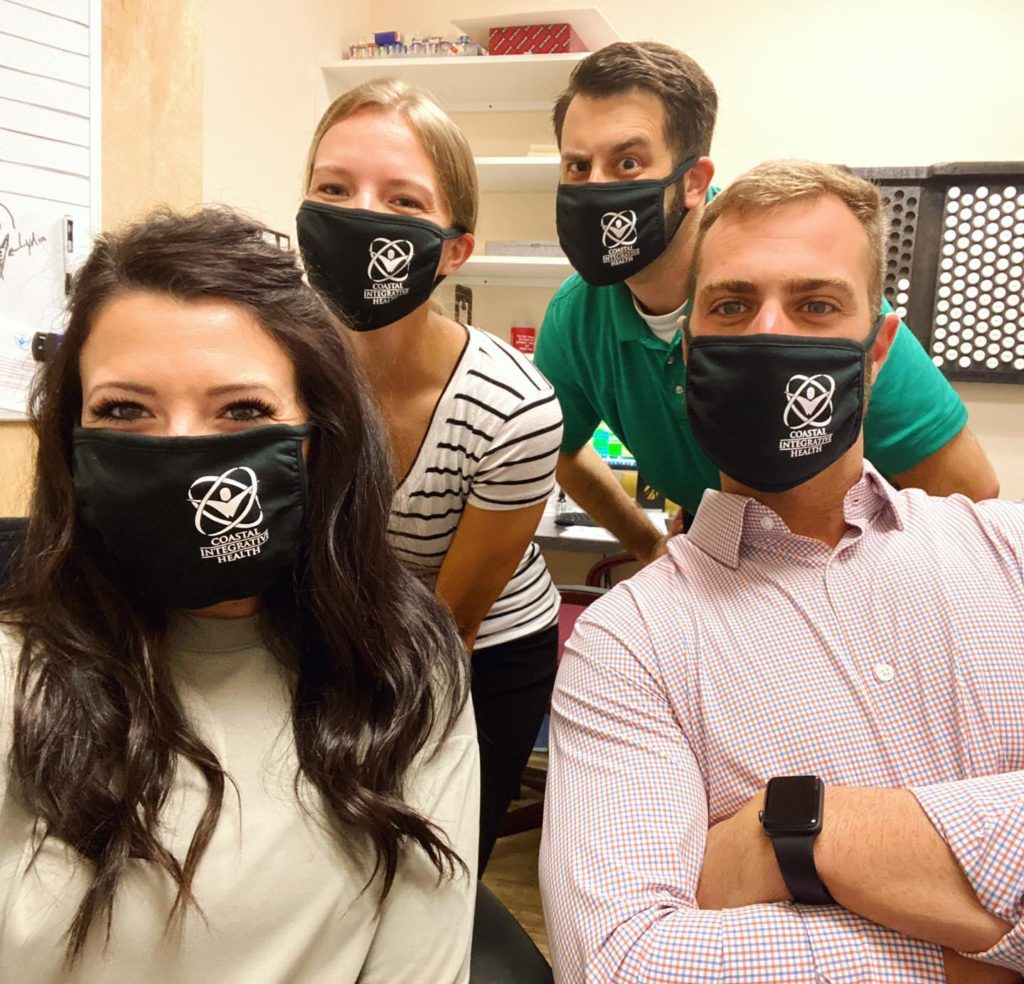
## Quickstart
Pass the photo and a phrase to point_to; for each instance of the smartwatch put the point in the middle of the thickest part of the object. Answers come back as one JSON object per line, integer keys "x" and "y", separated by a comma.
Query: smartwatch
{"x": 792, "y": 818}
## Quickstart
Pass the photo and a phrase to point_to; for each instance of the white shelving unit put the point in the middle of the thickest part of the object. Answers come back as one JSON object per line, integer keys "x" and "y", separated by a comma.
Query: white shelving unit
{"x": 466, "y": 83}
{"x": 517, "y": 173}
{"x": 513, "y": 271}
{"x": 500, "y": 83}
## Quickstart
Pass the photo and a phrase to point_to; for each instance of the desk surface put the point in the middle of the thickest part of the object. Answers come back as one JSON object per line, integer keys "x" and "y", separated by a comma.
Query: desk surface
{"x": 579, "y": 539}
{"x": 583, "y": 539}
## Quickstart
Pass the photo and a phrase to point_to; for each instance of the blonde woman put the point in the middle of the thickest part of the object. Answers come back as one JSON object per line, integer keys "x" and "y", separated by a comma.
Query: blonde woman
{"x": 390, "y": 209}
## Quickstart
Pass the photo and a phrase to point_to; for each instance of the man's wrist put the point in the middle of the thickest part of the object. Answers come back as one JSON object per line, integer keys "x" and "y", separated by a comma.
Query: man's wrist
{"x": 792, "y": 818}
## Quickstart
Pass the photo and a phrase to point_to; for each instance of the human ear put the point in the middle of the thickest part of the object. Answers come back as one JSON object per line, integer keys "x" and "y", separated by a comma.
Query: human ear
{"x": 883, "y": 343}
{"x": 455, "y": 254}
{"x": 697, "y": 181}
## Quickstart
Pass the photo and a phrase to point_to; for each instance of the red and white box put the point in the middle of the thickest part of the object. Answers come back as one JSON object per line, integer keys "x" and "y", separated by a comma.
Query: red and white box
{"x": 534, "y": 39}
{"x": 524, "y": 339}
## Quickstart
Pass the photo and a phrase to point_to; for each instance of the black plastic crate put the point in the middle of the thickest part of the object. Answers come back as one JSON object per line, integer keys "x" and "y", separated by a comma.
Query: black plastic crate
{"x": 955, "y": 264}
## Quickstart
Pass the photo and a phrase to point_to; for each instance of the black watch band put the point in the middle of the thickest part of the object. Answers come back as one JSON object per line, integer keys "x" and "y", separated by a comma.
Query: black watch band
{"x": 795, "y": 854}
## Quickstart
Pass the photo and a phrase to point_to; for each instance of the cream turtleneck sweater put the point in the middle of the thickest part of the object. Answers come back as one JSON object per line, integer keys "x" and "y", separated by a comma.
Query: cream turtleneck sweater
{"x": 282, "y": 896}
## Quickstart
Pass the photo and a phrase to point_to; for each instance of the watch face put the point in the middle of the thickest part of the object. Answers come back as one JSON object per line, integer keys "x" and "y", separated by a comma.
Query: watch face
{"x": 792, "y": 805}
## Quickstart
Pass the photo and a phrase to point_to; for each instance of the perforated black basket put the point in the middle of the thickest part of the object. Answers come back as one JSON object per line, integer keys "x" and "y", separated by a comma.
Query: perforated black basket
{"x": 955, "y": 265}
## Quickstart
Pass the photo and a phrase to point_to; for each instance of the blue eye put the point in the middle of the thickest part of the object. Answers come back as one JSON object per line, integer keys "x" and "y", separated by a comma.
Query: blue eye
{"x": 819, "y": 307}
{"x": 728, "y": 309}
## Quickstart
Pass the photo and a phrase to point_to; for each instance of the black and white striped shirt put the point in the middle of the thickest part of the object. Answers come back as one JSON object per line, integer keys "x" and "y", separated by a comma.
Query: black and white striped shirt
{"x": 493, "y": 442}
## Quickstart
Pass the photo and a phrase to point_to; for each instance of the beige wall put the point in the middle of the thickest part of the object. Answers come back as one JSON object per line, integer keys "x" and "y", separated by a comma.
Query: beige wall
{"x": 152, "y": 139}
{"x": 16, "y": 450}
{"x": 261, "y": 92}
{"x": 877, "y": 83}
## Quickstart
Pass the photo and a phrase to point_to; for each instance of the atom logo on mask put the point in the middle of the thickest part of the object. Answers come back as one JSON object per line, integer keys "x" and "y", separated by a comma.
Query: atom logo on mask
{"x": 618, "y": 229}
{"x": 228, "y": 510}
{"x": 390, "y": 260}
{"x": 809, "y": 401}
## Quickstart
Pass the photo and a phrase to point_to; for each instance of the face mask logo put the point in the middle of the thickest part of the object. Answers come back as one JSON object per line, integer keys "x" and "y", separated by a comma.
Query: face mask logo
{"x": 809, "y": 401}
{"x": 618, "y": 229}
{"x": 390, "y": 260}
{"x": 619, "y": 237}
{"x": 228, "y": 510}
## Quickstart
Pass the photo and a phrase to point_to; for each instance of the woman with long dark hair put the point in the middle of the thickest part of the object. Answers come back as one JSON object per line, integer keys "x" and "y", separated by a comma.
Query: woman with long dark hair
{"x": 390, "y": 210}
{"x": 240, "y": 744}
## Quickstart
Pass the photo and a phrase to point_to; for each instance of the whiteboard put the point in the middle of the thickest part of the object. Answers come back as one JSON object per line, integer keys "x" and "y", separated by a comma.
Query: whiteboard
{"x": 49, "y": 171}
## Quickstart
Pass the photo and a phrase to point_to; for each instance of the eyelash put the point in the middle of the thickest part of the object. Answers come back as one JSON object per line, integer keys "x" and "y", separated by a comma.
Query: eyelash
{"x": 265, "y": 409}
{"x": 105, "y": 409}
{"x": 336, "y": 191}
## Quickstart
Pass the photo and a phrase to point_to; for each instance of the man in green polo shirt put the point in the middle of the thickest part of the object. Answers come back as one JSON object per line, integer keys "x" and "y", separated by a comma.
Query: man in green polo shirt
{"x": 634, "y": 129}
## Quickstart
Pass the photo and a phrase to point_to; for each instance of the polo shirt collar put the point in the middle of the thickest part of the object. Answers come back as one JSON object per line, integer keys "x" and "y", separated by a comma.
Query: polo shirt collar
{"x": 725, "y": 522}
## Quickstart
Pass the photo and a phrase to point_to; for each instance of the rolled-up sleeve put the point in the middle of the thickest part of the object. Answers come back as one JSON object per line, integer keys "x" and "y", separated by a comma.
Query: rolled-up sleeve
{"x": 982, "y": 822}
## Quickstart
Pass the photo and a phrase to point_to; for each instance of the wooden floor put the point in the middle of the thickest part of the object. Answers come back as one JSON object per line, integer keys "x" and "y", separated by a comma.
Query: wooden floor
{"x": 512, "y": 875}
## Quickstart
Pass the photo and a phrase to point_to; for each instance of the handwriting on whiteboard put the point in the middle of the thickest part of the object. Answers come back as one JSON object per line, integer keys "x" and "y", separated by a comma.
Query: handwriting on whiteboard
{"x": 13, "y": 241}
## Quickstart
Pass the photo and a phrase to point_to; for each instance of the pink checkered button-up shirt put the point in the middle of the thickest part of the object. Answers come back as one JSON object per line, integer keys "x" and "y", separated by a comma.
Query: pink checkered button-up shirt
{"x": 895, "y": 659}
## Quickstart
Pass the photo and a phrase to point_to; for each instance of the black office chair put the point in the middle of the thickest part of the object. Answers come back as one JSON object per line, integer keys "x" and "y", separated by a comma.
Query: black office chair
{"x": 503, "y": 952}
{"x": 12, "y": 532}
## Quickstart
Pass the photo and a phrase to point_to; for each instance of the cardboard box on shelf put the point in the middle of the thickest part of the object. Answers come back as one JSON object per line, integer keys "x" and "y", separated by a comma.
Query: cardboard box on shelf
{"x": 534, "y": 39}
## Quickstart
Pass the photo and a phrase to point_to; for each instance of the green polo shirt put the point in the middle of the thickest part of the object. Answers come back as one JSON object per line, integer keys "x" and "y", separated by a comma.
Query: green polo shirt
{"x": 606, "y": 364}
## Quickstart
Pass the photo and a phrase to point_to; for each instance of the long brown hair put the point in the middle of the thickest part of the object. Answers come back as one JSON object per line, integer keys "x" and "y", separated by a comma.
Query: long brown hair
{"x": 97, "y": 728}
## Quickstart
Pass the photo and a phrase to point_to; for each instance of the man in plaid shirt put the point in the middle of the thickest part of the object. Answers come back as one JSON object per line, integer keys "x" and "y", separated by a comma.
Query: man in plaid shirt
{"x": 815, "y": 622}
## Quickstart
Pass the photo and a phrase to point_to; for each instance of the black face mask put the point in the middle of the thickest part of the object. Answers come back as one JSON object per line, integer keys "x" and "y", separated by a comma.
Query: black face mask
{"x": 612, "y": 230}
{"x": 772, "y": 411}
{"x": 372, "y": 267}
{"x": 192, "y": 521}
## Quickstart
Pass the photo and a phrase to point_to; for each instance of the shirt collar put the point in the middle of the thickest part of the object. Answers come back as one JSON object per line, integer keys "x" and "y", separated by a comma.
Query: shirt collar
{"x": 725, "y": 522}
{"x": 630, "y": 326}
{"x": 664, "y": 327}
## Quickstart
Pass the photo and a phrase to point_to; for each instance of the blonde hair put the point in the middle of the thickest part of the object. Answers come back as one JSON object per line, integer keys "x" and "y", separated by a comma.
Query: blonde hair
{"x": 776, "y": 183}
{"x": 444, "y": 143}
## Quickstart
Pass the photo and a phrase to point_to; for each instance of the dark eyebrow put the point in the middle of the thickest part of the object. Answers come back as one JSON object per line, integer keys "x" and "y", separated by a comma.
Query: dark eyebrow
{"x": 811, "y": 284}
{"x": 213, "y": 391}
{"x": 130, "y": 387}
{"x": 237, "y": 388}
{"x": 746, "y": 288}
{"x": 633, "y": 143}
{"x": 638, "y": 143}
{"x": 742, "y": 287}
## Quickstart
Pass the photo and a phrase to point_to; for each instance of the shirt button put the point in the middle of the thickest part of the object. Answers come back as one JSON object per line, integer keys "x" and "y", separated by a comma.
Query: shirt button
{"x": 884, "y": 672}
{"x": 767, "y": 523}
{"x": 679, "y": 390}
{"x": 671, "y": 359}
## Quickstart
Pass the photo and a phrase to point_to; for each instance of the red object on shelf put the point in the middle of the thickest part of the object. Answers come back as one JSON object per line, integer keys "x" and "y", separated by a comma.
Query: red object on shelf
{"x": 524, "y": 338}
{"x": 534, "y": 39}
